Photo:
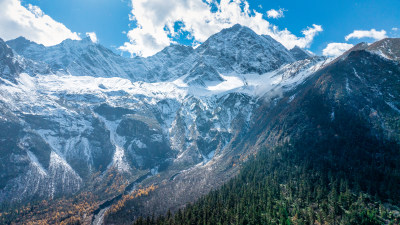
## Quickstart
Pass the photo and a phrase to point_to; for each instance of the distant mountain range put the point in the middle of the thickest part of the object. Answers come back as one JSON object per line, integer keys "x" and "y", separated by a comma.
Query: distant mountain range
{"x": 76, "y": 118}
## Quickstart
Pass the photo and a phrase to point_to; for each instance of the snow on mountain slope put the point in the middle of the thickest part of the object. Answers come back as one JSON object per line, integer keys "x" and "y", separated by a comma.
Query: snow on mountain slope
{"x": 12, "y": 64}
{"x": 239, "y": 49}
{"x": 388, "y": 48}
{"x": 80, "y": 58}
{"x": 202, "y": 74}
{"x": 77, "y": 57}
{"x": 76, "y": 109}
{"x": 90, "y": 124}
{"x": 171, "y": 63}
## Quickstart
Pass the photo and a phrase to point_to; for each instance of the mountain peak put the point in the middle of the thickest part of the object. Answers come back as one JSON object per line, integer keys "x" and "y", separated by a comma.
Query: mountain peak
{"x": 83, "y": 42}
{"x": 236, "y": 26}
{"x": 20, "y": 44}
{"x": 299, "y": 53}
{"x": 87, "y": 39}
{"x": 388, "y": 48}
{"x": 238, "y": 31}
{"x": 176, "y": 49}
{"x": 21, "y": 39}
{"x": 240, "y": 49}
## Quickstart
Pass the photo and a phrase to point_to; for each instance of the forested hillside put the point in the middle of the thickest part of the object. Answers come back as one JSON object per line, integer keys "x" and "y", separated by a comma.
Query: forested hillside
{"x": 342, "y": 177}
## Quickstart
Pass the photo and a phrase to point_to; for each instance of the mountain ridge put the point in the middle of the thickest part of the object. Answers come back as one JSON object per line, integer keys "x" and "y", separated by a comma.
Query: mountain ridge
{"x": 162, "y": 66}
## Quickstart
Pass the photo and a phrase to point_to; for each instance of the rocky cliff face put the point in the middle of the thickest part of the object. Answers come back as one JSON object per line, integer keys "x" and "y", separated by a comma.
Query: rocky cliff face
{"x": 9, "y": 67}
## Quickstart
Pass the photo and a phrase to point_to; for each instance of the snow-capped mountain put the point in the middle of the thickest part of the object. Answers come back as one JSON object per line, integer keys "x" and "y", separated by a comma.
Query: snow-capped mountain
{"x": 239, "y": 49}
{"x": 78, "y": 58}
{"x": 11, "y": 64}
{"x": 92, "y": 110}
{"x": 185, "y": 117}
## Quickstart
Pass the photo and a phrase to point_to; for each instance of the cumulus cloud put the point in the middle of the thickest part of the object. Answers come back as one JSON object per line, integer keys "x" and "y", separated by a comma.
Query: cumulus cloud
{"x": 377, "y": 35}
{"x": 273, "y": 13}
{"x": 155, "y": 23}
{"x": 30, "y": 22}
{"x": 336, "y": 49}
{"x": 290, "y": 40}
{"x": 92, "y": 36}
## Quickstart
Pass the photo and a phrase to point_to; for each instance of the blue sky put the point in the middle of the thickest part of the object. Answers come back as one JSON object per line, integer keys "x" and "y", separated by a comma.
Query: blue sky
{"x": 110, "y": 20}
{"x": 107, "y": 18}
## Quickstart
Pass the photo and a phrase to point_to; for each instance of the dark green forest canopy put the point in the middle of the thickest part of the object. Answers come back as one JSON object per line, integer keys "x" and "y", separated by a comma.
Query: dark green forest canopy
{"x": 346, "y": 176}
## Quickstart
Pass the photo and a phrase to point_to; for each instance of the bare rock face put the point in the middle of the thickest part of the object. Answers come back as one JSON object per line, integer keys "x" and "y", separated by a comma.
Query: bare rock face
{"x": 9, "y": 69}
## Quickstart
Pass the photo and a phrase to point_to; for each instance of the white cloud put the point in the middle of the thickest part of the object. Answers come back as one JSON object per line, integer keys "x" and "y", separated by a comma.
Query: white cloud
{"x": 92, "y": 36}
{"x": 32, "y": 23}
{"x": 395, "y": 29}
{"x": 290, "y": 40}
{"x": 272, "y": 13}
{"x": 155, "y": 21}
{"x": 377, "y": 35}
{"x": 336, "y": 49}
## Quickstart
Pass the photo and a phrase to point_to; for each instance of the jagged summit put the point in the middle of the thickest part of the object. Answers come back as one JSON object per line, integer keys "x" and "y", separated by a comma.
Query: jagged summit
{"x": 85, "y": 41}
{"x": 20, "y": 41}
{"x": 299, "y": 53}
{"x": 233, "y": 50}
{"x": 24, "y": 47}
{"x": 177, "y": 49}
{"x": 239, "y": 49}
{"x": 76, "y": 57}
{"x": 234, "y": 30}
